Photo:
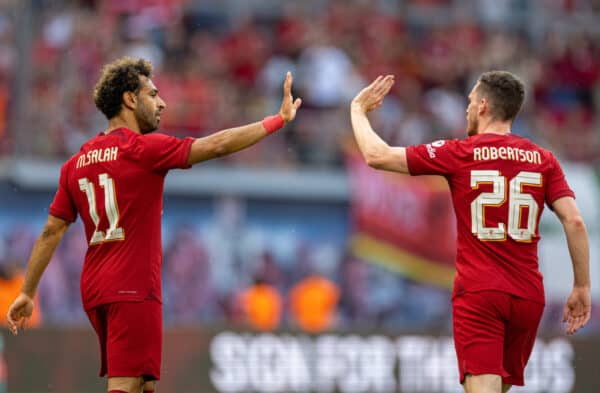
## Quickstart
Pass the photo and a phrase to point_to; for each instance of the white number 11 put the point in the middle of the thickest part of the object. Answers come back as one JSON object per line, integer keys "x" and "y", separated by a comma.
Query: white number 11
{"x": 517, "y": 200}
{"x": 114, "y": 232}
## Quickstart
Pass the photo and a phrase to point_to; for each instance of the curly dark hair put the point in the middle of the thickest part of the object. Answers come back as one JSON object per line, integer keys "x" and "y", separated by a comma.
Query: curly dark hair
{"x": 505, "y": 92}
{"x": 118, "y": 77}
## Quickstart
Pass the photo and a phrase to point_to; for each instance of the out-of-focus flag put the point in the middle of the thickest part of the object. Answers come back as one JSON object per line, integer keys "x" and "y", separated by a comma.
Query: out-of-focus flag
{"x": 404, "y": 223}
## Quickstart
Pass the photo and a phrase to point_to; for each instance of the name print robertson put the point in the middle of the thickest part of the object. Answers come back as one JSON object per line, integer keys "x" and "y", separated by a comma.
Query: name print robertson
{"x": 506, "y": 153}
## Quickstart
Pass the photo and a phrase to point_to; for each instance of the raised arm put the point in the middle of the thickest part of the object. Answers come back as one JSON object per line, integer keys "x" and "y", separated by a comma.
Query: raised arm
{"x": 231, "y": 140}
{"x": 578, "y": 307}
{"x": 22, "y": 307}
{"x": 375, "y": 151}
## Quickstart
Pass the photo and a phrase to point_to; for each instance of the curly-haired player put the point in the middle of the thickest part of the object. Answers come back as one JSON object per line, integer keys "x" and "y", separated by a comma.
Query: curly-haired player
{"x": 115, "y": 183}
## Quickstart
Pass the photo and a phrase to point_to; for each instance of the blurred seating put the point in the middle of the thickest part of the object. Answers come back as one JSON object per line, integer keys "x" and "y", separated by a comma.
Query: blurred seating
{"x": 218, "y": 67}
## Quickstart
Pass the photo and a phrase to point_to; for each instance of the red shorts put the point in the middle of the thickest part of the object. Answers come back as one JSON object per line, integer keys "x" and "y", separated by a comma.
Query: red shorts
{"x": 494, "y": 333}
{"x": 130, "y": 335}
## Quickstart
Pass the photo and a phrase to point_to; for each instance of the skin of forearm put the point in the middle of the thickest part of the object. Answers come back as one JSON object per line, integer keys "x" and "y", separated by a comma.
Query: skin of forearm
{"x": 226, "y": 142}
{"x": 577, "y": 241}
{"x": 40, "y": 257}
{"x": 369, "y": 143}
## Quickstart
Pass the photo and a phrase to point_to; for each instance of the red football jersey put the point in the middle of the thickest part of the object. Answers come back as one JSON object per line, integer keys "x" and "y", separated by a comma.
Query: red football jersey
{"x": 115, "y": 183}
{"x": 499, "y": 184}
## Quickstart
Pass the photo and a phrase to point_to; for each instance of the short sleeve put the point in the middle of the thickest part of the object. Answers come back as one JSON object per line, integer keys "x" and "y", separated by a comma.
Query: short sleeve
{"x": 556, "y": 183}
{"x": 435, "y": 158}
{"x": 62, "y": 205}
{"x": 161, "y": 153}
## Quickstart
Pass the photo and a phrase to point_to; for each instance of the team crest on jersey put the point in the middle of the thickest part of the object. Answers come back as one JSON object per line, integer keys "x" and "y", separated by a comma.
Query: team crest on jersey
{"x": 432, "y": 146}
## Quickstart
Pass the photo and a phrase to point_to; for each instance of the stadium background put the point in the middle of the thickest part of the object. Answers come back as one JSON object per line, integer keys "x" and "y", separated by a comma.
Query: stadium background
{"x": 299, "y": 204}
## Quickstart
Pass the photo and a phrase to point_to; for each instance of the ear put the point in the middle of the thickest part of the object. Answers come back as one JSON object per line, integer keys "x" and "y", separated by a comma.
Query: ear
{"x": 483, "y": 106}
{"x": 129, "y": 100}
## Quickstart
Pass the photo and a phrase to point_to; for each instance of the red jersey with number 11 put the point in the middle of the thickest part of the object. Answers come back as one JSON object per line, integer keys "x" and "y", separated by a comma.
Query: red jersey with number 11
{"x": 115, "y": 183}
{"x": 499, "y": 184}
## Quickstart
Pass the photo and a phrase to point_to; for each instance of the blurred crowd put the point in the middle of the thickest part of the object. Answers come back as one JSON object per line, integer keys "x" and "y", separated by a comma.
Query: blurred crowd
{"x": 230, "y": 271}
{"x": 221, "y": 64}
{"x": 254, "y": 279}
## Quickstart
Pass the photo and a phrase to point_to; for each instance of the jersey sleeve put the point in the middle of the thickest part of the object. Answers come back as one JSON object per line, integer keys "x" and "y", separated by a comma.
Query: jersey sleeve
{"x": 62, "y": 205}
{"x": 161, "y": 153}
{"x": 556, "y": 183}
{"x": 436, "y": 158}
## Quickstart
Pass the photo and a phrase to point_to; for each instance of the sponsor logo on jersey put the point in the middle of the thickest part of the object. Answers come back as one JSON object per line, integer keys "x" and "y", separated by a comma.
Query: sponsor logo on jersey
{"x": 431, "y": 147}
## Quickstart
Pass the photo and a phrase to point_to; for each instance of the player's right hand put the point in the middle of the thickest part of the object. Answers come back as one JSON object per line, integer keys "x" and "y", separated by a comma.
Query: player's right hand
{"x": 372, "y": 96}
{"x": 577, "y": 309}
{"x": 19, "y": 312}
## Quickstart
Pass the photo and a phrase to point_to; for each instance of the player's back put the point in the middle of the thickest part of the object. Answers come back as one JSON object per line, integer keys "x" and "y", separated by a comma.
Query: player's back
{"x": 115, "y": 183}
{"x": 499, "y": 187}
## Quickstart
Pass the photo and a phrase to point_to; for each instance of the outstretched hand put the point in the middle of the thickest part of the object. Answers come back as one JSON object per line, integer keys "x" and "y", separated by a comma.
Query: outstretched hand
{"x": 289, "y": 106}
{"x": 19, "y": 312}
{"x": 371, "y": 97}
{"x": 577, "y": 309}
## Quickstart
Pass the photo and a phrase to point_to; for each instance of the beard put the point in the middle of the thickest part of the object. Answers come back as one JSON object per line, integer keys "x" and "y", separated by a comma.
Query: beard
{"x": 147, "y": 120}
{"x": 472, "y": 126}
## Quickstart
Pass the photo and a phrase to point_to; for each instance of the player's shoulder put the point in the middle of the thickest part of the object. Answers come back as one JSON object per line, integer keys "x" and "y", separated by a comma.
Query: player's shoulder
{"x": 121, "y": 139}
{"x": 70, "y": 162}
{"x": 434, "y": 149}
{"x": 152, "y": 140}
{"x": 68, "y": 167}
{"x": 128, "y": 142}
{"x": 443, "y": 144}
{"x": 156, "y": 137}
{"x": 447, "y": 148}
{"x": 454, "y": 145}
{"x": 528, "y": 144}
{"x": 504, "y": 140}
{"x": 156, "y": 143}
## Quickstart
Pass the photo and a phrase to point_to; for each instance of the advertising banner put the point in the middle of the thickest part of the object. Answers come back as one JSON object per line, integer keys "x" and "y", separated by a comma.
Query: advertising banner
{"x": 231, "y": 361}
{"x": 364, "y": 364}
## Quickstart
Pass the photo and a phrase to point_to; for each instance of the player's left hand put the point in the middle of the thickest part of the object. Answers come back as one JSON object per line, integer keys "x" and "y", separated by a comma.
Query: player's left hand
{"x": 289, "y": 106}
{"x": 577, "y": 309}
{"x": 19, "y": 312}
{"x": 371, "y": 97}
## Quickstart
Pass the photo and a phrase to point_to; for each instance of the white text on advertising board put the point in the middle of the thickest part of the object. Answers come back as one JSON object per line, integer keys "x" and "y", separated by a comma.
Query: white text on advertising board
{"x": 268, "y": 363}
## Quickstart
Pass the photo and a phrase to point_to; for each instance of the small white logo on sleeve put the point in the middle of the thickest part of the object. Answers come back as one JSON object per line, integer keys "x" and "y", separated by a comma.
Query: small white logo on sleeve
{"x": 431, "y": 147}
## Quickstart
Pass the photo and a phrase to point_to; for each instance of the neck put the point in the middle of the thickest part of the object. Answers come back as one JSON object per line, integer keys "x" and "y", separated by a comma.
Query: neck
{"x": 123, "y": 121}
{"x": 495, "y": 127}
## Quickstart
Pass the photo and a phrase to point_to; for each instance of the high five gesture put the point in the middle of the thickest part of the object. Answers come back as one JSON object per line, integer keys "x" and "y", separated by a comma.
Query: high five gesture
{"x": 289, "y": 106}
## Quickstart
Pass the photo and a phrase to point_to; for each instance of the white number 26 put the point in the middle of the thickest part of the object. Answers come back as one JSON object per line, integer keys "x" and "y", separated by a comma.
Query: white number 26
{"x": 517, "y": 200}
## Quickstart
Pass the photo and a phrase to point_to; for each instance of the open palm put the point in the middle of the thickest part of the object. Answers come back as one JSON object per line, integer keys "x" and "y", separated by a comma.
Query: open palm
{"x": 289, "y": 106}
{"x": 372, "y": 96}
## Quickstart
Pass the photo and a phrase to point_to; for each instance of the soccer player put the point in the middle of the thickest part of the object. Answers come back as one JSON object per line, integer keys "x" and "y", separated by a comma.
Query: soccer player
{"x": 499, "y": 183}
{"x": 115, "y": 183}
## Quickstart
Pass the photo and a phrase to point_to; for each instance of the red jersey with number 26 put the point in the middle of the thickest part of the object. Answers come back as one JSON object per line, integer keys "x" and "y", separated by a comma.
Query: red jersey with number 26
{"x": 499, "y": 184}
{"x": 115, "y": 183}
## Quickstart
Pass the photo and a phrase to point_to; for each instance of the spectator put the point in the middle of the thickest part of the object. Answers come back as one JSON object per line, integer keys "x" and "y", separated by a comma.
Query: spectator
{"x": 261, "y": 305}
{"x": 313, "y": 303}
